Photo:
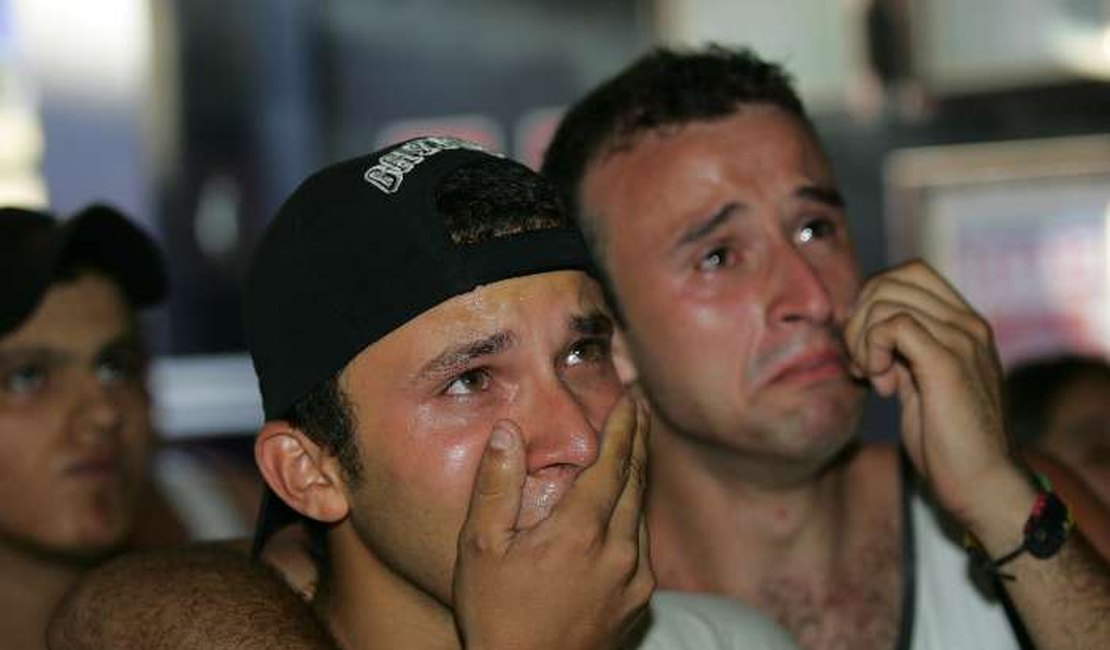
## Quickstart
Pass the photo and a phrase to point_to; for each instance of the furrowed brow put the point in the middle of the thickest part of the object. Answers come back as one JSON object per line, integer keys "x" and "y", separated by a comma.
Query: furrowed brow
{"x": 704, "y": 228}
{"x": 827, "y": 195}
{"x": 457, "y": 357}
{"x": 592, "y": 324}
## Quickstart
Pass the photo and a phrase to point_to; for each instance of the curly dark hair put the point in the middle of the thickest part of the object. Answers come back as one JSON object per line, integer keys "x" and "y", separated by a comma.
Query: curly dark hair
{"x": 663, "y": 88}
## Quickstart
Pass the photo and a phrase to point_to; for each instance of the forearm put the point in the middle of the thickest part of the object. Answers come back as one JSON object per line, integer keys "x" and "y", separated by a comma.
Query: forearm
{"x": 1063, "y": 600}
{"x": 196, "y": 598}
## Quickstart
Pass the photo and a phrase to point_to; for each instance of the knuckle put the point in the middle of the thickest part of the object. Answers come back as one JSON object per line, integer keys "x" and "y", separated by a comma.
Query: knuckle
{"x": 637, "y": 468}
{"x": 624, "y": 557}
{"x": 641, "y": 587}
{"x": 472, "y": 543}
{"x": 979, "y": 328}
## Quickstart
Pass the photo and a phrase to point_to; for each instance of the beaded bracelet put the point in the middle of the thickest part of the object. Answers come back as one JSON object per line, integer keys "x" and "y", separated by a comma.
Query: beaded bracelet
{"x": 1045, "y": 531}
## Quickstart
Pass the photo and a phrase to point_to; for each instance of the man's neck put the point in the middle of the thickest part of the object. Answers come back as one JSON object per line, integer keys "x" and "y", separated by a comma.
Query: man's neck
{"x": 717, "y": 521}
{"x": 368, "y": 605}
{"x": 31, "y": 587}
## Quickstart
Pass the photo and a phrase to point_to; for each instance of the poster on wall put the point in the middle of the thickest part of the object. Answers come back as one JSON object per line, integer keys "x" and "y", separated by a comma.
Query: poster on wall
{"x": 1021, "y": 229}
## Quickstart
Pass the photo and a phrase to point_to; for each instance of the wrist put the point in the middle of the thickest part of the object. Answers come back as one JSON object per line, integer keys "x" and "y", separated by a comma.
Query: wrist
{"x": 999, "y": 512}
{"x": 1045, "y": 531}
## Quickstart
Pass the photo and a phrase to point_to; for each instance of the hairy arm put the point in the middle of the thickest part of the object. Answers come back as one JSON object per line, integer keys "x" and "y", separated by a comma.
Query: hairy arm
{"x": 200, "y": 597}
{"x": 913, "y": 336}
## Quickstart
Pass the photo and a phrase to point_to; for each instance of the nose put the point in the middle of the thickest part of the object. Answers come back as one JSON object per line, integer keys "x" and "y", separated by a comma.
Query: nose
{"x": 98, "y": 413}
{"x": 557, "y": 429}
{"x": 799, "y": 294}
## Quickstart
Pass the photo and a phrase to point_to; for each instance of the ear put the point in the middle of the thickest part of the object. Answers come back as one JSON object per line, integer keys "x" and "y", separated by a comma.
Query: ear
{"x": 626, "y": 370}
{"x": 300, "y": 472}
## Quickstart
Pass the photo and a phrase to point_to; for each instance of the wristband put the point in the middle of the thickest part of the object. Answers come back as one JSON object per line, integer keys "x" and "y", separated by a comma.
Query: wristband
{"x": 1044, "y": 533}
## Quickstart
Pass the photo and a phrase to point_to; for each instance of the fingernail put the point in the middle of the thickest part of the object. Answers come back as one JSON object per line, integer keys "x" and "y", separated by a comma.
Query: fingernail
{"x": 501, "y": 439}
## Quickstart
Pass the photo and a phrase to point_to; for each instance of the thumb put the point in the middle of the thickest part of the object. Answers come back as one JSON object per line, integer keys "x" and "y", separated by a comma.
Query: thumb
{"x": 496, "y": 496}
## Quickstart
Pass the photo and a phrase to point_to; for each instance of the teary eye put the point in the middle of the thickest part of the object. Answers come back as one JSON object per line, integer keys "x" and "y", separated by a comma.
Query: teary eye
{"x": 715, "y": 259}
{"x": 468, "y": 383}
{"x": 816, "y": 229}
{"x": 589, "y": 350}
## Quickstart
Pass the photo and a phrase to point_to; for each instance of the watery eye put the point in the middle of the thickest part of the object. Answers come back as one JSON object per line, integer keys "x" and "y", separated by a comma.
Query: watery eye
{"x": 25, "y": 380}
{"x": 468, "y": 383}
{"x": 588, "y": 351}
{"x": 816, "y": 229}
{"x": 715, "y": 259}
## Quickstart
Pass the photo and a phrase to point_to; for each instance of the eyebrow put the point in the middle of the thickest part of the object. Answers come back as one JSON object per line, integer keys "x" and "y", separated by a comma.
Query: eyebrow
{"x": 705, "y": 227}
{"x": 827, "y": 195}
{"x": 129, "y": 343}
{"x": 457, "y": 357}
{"x": 17, "y": 355}
{"x": 592, "y": 324}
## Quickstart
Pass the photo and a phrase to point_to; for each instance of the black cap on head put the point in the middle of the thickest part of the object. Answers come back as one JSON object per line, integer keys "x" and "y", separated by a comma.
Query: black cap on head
{"x": 358, "y": 250}
{"x": 34, "y": 244}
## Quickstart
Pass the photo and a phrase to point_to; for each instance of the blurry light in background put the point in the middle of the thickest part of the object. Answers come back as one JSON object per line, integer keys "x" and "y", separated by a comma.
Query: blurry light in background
{"x": 217, "y": 221}
{"x": 97, "y": 52}
{"x": 1082, "y": 43}
{"x": 20, "y": 181}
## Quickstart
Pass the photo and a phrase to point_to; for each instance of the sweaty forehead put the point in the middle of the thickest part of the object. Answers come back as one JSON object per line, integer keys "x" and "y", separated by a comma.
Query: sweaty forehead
{"x": 663, "y": 177}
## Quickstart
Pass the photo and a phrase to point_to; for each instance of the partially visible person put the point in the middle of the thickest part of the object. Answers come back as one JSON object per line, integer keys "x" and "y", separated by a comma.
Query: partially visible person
{"x": 75, "y": 432}
{"x": 443, "y": 412}
{"x": 716, "y": 221}
{"x": 1061, "y": 405}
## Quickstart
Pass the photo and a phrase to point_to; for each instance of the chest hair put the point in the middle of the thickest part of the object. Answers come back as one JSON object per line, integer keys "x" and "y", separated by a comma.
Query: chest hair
{"x": 856, "y": 607}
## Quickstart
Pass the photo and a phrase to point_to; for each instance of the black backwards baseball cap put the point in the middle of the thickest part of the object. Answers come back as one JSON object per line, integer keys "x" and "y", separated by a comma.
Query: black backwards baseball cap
{"x": 358, "y": 250}
{"x": 34, "y": 244}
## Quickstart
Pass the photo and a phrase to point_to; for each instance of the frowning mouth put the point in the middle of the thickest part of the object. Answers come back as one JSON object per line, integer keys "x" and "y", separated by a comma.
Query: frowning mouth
{"x": 810, "y": 367}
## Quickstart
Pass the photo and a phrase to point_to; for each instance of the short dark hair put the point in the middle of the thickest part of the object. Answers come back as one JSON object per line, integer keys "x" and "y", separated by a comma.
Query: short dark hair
{"x": 497, "y": 198}
{"x": 477, "y": 202}
{"x": 1032, "y": 388}
{"x": 663, "y": 88}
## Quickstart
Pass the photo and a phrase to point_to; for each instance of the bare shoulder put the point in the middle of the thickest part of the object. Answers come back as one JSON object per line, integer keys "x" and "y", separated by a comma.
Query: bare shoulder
{"x": 202, "y": 596}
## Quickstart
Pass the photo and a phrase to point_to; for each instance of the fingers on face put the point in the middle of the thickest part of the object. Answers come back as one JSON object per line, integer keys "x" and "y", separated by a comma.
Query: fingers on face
{"x": 496, "y": 496}
{"x": 629, "y": 513}
{"x": 599, "y": 487}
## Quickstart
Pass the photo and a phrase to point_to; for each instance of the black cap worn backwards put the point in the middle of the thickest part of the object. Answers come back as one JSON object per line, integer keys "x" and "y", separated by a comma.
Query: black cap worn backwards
{"x": 358, "y": 250}
{"x": 34, "y": 244}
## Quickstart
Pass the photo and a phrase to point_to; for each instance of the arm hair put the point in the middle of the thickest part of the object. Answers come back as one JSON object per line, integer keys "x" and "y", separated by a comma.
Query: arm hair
{"x": 199, "y": 597}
